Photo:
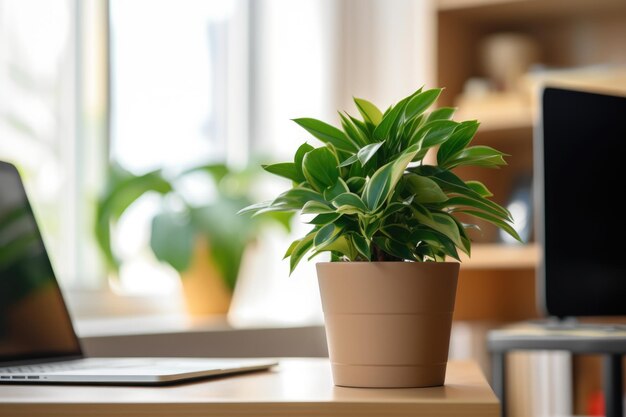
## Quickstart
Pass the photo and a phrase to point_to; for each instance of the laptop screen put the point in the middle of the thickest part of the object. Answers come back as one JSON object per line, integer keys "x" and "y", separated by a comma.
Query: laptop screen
{"x": 34, "y": 322}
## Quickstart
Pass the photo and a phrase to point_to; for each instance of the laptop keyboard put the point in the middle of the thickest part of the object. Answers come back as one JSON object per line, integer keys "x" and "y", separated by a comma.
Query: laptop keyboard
{"x": 47, "y": 367}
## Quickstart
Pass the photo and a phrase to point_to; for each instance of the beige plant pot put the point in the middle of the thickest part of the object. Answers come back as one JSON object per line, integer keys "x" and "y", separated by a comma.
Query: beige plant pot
{"x": 388, "y": 323}
{"x": 204, "y": 289}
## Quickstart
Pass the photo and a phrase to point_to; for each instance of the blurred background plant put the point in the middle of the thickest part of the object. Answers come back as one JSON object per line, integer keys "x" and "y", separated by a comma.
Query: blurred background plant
{"x": 192, "y": 238}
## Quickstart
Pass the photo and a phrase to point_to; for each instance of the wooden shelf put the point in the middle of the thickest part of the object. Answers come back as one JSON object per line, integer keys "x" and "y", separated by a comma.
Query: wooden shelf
{"x": 445, "y": 5}
{"x": 500, "y": 122}
{"x": 524, "y": 9}
{"x": 495, "y": 122}
{"x": 554, "y": 26}
{"x": 502, "y": 256}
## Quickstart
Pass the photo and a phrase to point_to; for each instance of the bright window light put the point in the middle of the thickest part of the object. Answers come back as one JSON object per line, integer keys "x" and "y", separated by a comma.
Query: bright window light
{"x": 169, "y": 68}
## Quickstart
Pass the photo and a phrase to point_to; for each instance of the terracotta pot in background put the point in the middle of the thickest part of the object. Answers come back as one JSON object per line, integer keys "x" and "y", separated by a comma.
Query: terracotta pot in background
{"x": 388, "y": 323}
{"x": 204, "y": 288}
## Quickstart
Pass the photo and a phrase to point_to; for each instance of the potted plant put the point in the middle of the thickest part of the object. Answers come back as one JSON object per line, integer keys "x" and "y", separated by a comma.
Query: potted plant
{"x": 203, "y": 242}
{"x": 383, "y": 200}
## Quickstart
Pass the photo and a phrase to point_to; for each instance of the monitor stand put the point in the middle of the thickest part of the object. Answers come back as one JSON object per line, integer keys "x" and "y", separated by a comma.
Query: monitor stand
{"x": 608, "y": 340}
{"x": 572, "y": 324}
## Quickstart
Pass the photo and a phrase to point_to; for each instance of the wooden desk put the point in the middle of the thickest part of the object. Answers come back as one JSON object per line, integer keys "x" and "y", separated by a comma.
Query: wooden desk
{"x": 297, "y": 387}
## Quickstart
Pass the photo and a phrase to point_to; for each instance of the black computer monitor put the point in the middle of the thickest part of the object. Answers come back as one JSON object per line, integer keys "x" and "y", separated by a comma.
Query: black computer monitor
{"x": 580, "y": 179}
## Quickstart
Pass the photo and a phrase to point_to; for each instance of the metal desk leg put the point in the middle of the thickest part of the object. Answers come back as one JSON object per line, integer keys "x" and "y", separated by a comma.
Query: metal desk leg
{"x": 612, "y": 385}
{"x": 498, "y": 375}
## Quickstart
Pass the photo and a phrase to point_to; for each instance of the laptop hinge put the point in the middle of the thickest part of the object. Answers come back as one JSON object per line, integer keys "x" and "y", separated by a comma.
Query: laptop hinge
{"x": 35, "y": 361}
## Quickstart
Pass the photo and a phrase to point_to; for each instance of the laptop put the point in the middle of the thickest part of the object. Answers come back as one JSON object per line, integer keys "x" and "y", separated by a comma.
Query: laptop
{"x": 37, "y": 340}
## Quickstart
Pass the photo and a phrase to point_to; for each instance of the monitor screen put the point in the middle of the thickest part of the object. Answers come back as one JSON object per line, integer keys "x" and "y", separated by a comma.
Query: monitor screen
{"x": 34, "y": 322}
{"x": 580, "y": 148}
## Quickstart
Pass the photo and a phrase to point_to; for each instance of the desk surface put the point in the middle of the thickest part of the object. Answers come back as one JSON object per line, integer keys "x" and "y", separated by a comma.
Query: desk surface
{"x": 297, "y": 387}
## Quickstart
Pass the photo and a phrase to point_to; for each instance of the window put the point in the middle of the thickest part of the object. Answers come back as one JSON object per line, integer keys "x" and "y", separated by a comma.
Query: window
{"x": 182, "y": 95}
{"x": 171, "y": 69}
{"x": 168, "y": 82}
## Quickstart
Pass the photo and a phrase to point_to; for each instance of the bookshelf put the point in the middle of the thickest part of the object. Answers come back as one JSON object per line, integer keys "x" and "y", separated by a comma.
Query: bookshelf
{"x": 577, "y": 43}
{"x": 566, "y": 35}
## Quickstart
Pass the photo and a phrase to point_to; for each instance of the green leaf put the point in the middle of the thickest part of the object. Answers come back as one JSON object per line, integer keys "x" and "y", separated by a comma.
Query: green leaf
{"x": 369, "y": 111}
{"x": 356, "y": 184}
{"x": 253, "y": 208}
{"x": 362, "y": 246}
{"x": 356, "y": 170}
{"x": 367, "y": 152}
{"x": 316, "y": 207}
{"x": 471, "y": 194}
{"x": 418, "y": 104}
{"x": 479, "y": 187}
{"x": 392, "y": 209}
{"x": 357, "y": 135}
{"x": 339, "y": 188}
{"x": 496, "y": 221}
{"x": 123, "y": 189}
{"x": 284, "y": 169}
{"x": 325, "y": 218}
{"x": 340, "y": 245}
{"x": 393, "y": 248}
{"x": 300, "y": 250}
{"x": 366, "y": 129}
{"x": 227, "y": 233}
{"x": 397, "y": 127}
{"x": 320, "y": 168}
{"x": 442, "y": 113}
{"x": 420, "y": 210}
{"x": 412, "y": 126}
{"x": 295, "y": 198}
{"x": 349, "y": 200}
{"x": 424, "y": 189}
{"x": 467, "y": 244}
{"x": 326, "y": 235}
{"x": 443, "y": 223}
{"x": 433, "y": 237}
{"x": 382, "y": 131}
{"x": 378, "y": 188}
{"x": 382, "y": 183}
{"x": 484, "y": 156}
{"x": 291, "y": 247}
{"x": 172, "y": 239}
{"x": 327, "y": 134}
{"x": 460, "y": 201}
{"x": 349, "y": 161}
{"x": 462, "y": 136}
{"x": 433, "y": 133}
{"x": 299, "y": 158}
{"x": 438, "y": 133}
{"x": 450, "y": 183}
{"x": 372, "y": 227}
{"x": 397, "y": 232}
